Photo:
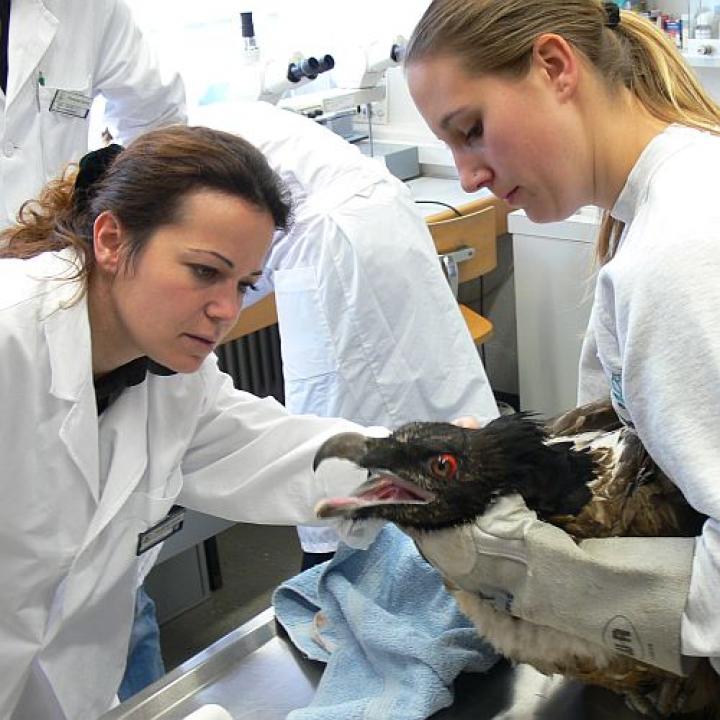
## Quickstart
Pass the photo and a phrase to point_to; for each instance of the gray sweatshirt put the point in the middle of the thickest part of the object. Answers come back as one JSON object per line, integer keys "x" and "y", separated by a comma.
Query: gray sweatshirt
{"x": 653, "y": 341}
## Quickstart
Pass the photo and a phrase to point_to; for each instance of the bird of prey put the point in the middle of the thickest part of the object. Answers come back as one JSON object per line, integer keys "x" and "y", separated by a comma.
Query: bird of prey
{"x": 585, "y": 472}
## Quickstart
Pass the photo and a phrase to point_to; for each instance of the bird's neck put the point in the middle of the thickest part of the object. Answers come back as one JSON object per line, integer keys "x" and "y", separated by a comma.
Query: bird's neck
{"x": 552, "y": 478}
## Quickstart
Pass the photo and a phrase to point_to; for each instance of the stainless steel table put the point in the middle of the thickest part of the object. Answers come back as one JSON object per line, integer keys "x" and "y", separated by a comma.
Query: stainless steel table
{"x": 257, "y": 674}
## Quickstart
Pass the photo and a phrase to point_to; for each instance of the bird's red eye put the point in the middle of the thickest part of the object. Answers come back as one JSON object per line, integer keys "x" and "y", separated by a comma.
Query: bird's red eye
{"x": 443, "y": 466}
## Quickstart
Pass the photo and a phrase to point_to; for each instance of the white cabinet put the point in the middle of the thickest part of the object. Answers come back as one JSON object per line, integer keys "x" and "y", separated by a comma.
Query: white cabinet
{"x": 553, "y": 294}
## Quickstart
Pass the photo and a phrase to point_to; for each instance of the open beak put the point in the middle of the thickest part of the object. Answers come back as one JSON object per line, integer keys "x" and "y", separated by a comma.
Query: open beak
{"x": 383, "y": 487}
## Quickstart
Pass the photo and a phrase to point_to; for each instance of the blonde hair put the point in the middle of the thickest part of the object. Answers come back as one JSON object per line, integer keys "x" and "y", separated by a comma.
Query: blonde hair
{"x": 497, "y": 36}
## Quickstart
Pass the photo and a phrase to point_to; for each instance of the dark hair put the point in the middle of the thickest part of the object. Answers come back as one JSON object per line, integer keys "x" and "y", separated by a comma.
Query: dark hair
{"x": 144, "y": 187}
{"x": 626, "y": 50}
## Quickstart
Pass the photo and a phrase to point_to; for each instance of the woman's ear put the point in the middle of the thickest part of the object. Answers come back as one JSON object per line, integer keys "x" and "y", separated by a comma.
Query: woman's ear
{"x": 559, "y": 62}
{"x": 108, "y": 242}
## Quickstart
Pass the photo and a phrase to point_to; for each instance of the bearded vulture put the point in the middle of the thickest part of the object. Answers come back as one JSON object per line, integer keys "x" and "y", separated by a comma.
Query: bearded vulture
{"x": 584, "y": 472}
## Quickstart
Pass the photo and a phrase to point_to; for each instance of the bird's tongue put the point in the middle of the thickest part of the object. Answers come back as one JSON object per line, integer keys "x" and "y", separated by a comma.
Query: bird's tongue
{"x": 381, "y": 489}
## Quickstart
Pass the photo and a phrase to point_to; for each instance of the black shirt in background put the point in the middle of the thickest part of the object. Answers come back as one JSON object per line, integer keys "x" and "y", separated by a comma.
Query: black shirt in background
{"x": 4, "y": 37}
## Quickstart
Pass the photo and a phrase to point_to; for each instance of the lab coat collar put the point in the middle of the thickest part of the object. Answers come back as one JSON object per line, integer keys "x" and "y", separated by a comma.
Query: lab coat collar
{"x": 124, "y": 457}
{"x": 120, "y": 451}
{"x": 32, "y": 29}
{"x": 123, "y": 454}
{"x": 67, "y": 333}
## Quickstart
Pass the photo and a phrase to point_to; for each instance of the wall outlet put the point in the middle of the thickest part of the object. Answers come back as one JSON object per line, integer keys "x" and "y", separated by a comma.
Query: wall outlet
{"x": 378, "y": 108}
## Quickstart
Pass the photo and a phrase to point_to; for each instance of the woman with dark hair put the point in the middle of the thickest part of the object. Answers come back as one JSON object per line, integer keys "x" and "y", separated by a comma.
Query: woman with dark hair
{"x": 556, "y": 104}
{"x": 115, "y": 287}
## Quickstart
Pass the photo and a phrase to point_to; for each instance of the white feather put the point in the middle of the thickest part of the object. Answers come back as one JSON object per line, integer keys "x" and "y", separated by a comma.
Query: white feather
{"x": 547, "y": 649}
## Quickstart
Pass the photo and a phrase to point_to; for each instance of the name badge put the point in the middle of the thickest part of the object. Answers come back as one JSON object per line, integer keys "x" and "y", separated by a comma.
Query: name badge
{"x": 71, "y": 102}
{"x": 168, "y": 526}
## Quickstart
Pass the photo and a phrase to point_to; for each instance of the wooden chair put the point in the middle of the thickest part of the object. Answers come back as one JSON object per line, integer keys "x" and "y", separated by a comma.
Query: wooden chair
{"x": 258, "y": 316}
{"x": 467, "y": 247}
{"x": 501, "y": 212}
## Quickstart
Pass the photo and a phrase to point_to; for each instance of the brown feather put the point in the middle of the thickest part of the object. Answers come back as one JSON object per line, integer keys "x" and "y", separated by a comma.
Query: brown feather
{"x": 631, "y": 496}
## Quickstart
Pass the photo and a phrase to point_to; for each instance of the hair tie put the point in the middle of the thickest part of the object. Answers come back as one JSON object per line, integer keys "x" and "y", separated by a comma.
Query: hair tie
{"x": 93, "y": 167}
{"x": 613, "y": 15}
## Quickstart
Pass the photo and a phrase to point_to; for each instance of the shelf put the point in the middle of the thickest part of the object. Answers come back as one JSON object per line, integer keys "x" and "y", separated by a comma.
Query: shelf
{"x": 706, "y": 61}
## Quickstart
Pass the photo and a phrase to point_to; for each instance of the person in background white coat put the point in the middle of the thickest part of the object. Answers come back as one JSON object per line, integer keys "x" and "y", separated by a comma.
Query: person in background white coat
{"x": 55, "y": 58}
{"x": 369, "y": 328}
{"x": 59, "y": 55}
{"x": 114, "y": 290}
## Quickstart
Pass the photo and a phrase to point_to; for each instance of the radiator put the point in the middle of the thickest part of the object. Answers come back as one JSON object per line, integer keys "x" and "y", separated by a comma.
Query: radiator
{"x": 254, "y": 363}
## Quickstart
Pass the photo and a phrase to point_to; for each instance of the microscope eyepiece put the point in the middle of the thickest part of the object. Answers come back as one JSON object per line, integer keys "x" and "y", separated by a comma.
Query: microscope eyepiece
{"x": 397, "y": 53}
{"x": 327, "y": 62}
{"x": 307, "y": 67}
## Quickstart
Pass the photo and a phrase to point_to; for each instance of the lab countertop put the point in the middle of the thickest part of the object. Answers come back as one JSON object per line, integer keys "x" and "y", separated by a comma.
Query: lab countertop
{"x": 582, "y": 226}
{"x": 256, "y": 674}
{"x": 444, "y": 190}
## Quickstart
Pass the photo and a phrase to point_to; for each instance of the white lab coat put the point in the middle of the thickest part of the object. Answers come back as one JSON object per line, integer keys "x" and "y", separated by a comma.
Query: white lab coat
{"x": 88, "y": 47}
{"x": 369, "y": 327}
{"x": 76, "y": 493}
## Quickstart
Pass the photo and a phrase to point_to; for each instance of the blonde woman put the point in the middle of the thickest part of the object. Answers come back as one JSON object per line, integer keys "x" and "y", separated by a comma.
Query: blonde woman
{"x": 555, "y": 104}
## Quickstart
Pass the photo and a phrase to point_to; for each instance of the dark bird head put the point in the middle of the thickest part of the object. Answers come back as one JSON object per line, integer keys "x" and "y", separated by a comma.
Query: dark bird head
{"x": 430, "y": 475}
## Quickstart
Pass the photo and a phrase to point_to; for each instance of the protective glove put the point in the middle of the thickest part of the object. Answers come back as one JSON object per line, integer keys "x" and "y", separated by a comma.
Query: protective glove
{"x": 627, "y": 594}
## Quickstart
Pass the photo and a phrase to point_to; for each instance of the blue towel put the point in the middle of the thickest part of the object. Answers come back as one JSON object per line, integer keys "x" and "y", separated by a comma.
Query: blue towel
{"x": 393, "y": 638}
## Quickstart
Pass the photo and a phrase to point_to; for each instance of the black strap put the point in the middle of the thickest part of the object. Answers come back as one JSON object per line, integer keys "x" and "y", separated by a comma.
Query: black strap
{"x": 613, "y": 14}
{"x": 92, "y": 168}
{"x": 4, "y": 39}
{"x": 109, "y": 387}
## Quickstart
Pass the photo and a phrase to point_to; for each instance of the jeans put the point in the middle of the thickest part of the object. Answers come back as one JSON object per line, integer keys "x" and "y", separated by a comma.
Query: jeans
{"x": 144, "y": 662}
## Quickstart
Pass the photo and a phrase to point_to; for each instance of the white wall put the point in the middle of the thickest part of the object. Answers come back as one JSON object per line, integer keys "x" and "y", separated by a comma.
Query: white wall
{"x": 405, "y": 124}
{"x": 710, "y": 79}
{"x": 281, "y": 28}
{"x": 202, "y": 41}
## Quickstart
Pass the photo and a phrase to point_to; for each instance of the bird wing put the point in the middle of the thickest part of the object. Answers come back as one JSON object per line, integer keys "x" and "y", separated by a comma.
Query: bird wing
{"x": 598, "y": 416}
{"x": 631, "y": 496}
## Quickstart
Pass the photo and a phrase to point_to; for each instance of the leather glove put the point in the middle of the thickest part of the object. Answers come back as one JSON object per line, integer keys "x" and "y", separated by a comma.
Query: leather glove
{"x": 627, "y": 594}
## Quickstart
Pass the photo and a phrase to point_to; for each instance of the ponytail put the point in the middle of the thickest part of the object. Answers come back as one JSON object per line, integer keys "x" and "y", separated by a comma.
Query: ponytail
{"x": 46, "y": 223}
{"x": 666, "y": 87}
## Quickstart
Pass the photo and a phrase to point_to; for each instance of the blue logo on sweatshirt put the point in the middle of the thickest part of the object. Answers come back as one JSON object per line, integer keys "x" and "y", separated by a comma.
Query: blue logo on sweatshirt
{"x": 618, "y": 400}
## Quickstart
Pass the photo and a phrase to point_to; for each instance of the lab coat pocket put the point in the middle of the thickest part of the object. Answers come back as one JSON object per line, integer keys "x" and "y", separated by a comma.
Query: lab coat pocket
{"x": 64, "y": 122}
{"x": 149, "y": 507}
{"x": 307, "y": 347}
